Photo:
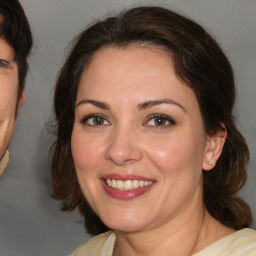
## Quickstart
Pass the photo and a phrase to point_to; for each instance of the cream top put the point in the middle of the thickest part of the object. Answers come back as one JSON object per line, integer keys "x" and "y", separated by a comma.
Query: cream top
{"x": 240, "y": 243}
{"x": 4, "y": 162}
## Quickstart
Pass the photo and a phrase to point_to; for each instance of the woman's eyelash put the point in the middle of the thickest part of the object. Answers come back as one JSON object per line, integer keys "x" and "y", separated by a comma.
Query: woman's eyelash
{"x": 95, "y": 120}
{"x": 4, "y": 63}
{"x": 160, "y": 121}
{"x": 153, "y": 121}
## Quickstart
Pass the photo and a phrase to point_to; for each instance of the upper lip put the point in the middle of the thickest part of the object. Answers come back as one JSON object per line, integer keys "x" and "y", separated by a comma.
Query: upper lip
{"x": 124, "y": 177}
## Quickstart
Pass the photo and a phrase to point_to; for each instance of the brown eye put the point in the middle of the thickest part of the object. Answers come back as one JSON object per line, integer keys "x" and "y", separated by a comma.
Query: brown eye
{"x": 4, "y": 63}
{"x": 95, "y": 120}
{"x": 159, "y": 121}
{"x": 98, "y": 120}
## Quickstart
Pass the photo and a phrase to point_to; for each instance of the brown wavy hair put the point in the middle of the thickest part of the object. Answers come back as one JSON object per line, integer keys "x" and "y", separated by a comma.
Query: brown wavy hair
{"x": 200, "y": 63}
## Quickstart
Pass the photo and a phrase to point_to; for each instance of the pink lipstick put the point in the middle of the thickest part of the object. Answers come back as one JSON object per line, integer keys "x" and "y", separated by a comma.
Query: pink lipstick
{"x": 126, "y": 187}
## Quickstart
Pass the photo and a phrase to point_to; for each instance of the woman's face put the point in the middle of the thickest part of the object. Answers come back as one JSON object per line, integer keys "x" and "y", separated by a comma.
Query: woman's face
{"x": 138, "y": 141}
{"x": 8, "y": 94}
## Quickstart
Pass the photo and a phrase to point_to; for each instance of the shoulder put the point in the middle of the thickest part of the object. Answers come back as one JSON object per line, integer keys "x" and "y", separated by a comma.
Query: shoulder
{"x": 102, "y": 244}
{"x": 240, "y": 243}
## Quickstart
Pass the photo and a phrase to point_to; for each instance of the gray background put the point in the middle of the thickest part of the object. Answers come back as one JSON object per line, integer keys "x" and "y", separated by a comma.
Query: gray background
{"x": 31, "y": 223}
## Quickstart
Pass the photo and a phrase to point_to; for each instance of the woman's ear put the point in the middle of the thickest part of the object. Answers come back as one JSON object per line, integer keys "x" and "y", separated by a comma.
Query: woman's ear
{"x": 21, "y": 100}
{"x": 213, "y": 148}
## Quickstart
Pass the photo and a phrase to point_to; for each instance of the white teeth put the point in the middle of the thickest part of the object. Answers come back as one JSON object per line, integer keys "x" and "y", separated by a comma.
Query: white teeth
{"x": 136, "y": 184}
{"x": 119, "y": 184}
{"x": 113, "y": 184}
{"x": 128, "y": 184}
{"x": 109, "y": 182}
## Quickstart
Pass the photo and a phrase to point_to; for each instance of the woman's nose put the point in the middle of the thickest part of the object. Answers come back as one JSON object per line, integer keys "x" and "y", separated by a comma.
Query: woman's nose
{"x": 123, "y": 147}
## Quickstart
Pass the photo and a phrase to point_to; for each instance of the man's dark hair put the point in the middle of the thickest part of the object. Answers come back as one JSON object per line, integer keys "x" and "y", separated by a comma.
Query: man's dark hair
{"x": 15, "y": 30}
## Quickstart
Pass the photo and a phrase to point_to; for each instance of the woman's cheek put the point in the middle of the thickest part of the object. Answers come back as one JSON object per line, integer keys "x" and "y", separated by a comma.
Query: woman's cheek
{"x": 86, "y": 151}
{"x": 166, "y": 153}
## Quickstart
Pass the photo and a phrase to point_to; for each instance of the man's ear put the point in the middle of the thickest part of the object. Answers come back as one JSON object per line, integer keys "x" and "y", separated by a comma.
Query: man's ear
{"x": 213, "y": 148}
{"x": 21, "y": 100}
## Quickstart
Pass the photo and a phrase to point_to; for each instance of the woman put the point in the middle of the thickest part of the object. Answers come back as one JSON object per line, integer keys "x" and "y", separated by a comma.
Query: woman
{"x": 15, "y": 46}
{"x": 146, "y": 144}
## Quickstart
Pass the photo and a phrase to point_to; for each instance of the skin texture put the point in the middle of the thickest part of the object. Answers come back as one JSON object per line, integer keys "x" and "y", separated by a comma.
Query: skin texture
{"x": 128, "y": 142}
{"x": 8, "y": 94}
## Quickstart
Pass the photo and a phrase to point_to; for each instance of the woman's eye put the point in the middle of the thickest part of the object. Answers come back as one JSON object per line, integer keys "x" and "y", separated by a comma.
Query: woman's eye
{"x": 95, "y": 120}
{"x": 161, "y": 121}
{"x": 4, "y": 63}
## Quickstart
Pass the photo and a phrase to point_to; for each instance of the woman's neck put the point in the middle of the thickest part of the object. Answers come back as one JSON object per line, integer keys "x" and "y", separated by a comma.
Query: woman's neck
{"x": 185, "y": 237}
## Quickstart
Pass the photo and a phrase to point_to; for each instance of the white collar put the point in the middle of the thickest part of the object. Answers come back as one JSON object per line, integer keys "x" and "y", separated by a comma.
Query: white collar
{"x": 4, "y": 162}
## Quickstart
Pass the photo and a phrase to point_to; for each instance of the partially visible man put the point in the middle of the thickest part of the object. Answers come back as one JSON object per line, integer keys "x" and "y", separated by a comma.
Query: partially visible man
{"x": 15, "y": 45}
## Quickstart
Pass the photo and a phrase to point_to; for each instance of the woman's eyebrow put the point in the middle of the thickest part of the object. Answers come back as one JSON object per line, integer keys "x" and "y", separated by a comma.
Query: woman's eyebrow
{"x": 96, "y": 103}
{"x": 152, "y": 103}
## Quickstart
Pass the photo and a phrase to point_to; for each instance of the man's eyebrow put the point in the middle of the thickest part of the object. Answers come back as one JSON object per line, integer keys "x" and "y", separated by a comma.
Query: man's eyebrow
{"x": 96, "y": 103}
{"x": 152, "y": 103}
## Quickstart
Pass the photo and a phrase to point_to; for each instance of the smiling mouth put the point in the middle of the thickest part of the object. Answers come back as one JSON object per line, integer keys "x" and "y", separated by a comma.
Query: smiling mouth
{"x": 127, "y": 184}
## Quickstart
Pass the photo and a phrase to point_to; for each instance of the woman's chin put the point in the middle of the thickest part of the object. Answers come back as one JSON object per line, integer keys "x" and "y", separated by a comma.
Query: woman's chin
{"x": 126, "y": 228}
{"x": 123, "y": 224}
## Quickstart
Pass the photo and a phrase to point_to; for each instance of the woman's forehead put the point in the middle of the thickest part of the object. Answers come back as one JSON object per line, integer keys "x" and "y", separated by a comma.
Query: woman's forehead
{"x": 132, "y": 75}
{"x": 6, "y": 51}
{"x": 132, "y": 59}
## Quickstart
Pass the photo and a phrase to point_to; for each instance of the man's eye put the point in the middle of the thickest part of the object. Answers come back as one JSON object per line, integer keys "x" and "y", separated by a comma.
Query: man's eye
{"x": 4, "y": 63}
{"x": 95, "y": 120}
{"x": 160, "y": 121}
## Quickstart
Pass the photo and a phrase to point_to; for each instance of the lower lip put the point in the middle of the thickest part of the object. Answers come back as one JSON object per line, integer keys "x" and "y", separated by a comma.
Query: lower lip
{"x": 125, "y": 194}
